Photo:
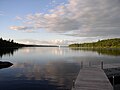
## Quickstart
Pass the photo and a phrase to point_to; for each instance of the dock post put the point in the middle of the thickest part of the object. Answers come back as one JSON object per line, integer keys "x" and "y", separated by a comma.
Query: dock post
{"x": 89, "y": 64}
{"x": 113, "y": 83}
{"x": 102, "y": 65}
{"x": 81, "y": 64}
{"x": 73, "y": 84}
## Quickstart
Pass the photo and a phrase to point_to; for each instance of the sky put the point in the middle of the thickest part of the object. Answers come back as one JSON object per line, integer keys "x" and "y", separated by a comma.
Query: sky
{"x": 59, "y": 22}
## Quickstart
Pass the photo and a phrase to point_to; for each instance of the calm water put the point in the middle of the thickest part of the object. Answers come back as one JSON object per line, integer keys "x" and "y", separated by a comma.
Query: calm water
{"x": 48, "y": 68}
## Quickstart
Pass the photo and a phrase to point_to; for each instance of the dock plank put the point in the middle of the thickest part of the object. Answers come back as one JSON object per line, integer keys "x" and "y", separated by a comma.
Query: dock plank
{"x": 92, "y": 79}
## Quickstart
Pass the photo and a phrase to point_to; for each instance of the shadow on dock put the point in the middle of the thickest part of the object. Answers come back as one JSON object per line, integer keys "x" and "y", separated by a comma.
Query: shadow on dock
{"x": 5, "y": 64}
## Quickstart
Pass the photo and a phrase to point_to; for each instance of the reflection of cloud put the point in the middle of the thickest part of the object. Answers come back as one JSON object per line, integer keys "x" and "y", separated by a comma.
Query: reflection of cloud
{"x": 26, "y": 50}
{"x": 59, "y": 51}
{"x": 58, "y": 73}
{"x": 79, "y": 18}
{"x": 41, "y": 52}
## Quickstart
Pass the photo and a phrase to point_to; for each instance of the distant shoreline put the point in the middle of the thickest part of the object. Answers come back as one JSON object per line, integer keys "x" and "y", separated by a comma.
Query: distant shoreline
{"x": 28, "y": 46}
{"x": 11, "y": 44}
{"x": 108, "y": 43}
{"x": 40, "y": 45}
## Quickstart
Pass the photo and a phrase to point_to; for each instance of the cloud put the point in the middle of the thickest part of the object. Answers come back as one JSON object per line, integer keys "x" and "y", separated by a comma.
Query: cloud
{"x": 19, "y": 27}
{"x": 83, "y": 18}
{"x": 23, "y": 28}
{"x": 18, "y": 18}
{"x": 50, "y": 42}
{"x": 61, "y": 42}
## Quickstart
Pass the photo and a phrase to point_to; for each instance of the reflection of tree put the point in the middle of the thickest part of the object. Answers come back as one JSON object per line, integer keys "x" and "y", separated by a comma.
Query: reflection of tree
{"x": 7, "y": 51}
{"x": 104, "y": 51}
{"x": 8, "y": 47}
{"x": 58, "y": 73}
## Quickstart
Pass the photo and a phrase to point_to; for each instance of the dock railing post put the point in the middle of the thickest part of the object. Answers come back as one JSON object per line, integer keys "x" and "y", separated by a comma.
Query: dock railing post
{"x": 81, "y": 64}
{"x": 89, "y": 64}
{"x": 113, "y": 83}
{"x": 102, "y": 65}
{"x": 73, "y": 84}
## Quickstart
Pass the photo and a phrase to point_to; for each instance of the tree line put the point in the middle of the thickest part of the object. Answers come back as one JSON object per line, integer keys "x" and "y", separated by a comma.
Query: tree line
{"x": 9, "y": 43}
{"x": 108, "y": 43}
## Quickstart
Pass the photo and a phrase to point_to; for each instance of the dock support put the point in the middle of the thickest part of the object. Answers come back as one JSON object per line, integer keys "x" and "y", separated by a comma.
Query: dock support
{"x": 113, "y": 83}
{"x": 81, "y": 64}
{"x": 102, "y": 65}
{"x": 89, "y": 64}
{"x": 73, "y": 84}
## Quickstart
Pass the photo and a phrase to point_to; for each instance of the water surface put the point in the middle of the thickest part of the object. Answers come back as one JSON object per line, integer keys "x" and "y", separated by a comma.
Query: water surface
{"x": 48, "y": 68}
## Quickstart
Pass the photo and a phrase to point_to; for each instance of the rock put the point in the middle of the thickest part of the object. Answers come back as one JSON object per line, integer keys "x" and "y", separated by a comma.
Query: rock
{"x": 5, "y": 64}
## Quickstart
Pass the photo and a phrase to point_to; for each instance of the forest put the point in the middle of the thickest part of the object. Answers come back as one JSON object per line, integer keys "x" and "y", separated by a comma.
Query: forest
{"x": 9, "y": 43}
{"x": 107, "y": 43}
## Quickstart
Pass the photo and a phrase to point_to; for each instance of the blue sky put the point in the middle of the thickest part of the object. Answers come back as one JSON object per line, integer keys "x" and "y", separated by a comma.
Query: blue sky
{"x": 59, "y": 22}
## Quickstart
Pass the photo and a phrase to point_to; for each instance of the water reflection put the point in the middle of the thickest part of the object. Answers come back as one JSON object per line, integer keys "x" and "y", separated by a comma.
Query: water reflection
{"x": 44, "y": 68}
{"x": 57, "y": 73}
{"x": 5, "y": 64}
{"x": 7, "y": 51}
{"x": 103, "y": 51}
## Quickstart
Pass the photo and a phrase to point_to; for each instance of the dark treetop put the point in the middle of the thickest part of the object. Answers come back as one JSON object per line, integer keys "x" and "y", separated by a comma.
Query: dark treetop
{"x": 10, "y": 43}
{"x": 108, "y": 43}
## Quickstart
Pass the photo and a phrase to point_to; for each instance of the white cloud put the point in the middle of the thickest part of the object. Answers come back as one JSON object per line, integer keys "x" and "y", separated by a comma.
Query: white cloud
{"x": 83, "y": 18}
{"x": 64, "y": 42}
{"x": 50, "y": 42}
{"x": 23, "y": 28}
{"x": 18, "y": 27}
{"x": 18, "y": 18}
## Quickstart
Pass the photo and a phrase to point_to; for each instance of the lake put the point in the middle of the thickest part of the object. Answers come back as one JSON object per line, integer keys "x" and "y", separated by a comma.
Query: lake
{"x": 48, "y": 68}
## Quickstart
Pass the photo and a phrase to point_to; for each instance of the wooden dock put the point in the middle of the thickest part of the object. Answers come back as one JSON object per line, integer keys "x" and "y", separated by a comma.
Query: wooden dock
{"x": 92, "y": 78}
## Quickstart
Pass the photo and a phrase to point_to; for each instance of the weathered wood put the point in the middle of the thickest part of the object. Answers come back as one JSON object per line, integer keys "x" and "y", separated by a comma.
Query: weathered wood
{"x": 106, "y": 66}
{"x": 92, "y": 78}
